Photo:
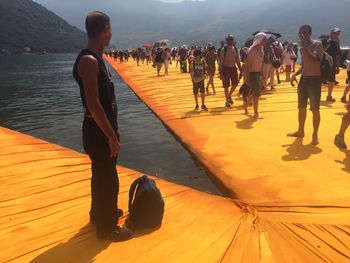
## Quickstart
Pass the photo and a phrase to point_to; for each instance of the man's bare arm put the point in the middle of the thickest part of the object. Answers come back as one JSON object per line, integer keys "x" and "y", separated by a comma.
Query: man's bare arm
{"x": 318, "y": 54}
{"x": 238, "y": 62}
{"x": 88, "y": 71}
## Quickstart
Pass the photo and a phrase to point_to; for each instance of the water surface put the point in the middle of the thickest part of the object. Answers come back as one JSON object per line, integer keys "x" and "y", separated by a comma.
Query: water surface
{"x": 39, "y": 97}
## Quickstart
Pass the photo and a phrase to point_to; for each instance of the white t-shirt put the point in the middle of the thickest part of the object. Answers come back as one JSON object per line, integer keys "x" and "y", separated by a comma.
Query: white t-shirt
{"x": 347, "y": 63}
{"x": 287, "y": 57}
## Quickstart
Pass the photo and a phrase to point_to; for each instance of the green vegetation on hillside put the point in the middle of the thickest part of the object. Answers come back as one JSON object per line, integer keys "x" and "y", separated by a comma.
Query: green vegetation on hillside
{"x": 28, "y": 24}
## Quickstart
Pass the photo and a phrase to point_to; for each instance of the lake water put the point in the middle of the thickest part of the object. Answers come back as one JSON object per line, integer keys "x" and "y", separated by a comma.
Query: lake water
{"x": 39, "y": 97}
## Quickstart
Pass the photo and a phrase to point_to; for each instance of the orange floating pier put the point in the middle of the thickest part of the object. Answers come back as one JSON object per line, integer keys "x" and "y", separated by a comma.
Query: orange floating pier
{"x": 289, "y": 200}
{"x": 45, "y": 200}
{"x": 300, "y": 191}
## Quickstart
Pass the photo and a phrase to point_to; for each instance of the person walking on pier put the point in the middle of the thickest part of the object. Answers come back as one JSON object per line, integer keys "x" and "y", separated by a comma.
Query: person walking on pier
{"x": 332, "y": 47}
{"x": 339, "y": 138}
{"x": 253, "y": 71}
{"x": 211, "y": 58}
{"x": 288, "y": 56}
{"x": 159, "y": 59}
{"x": 198, "y": 74}
{"x": 167, "y": 60}
{"x": 268, "y": 72}
{"x": 229, "y": 61}
{"x": 100, "y": 128}
{"x": 347, "y": 89}
{"x": 310, "y": 83}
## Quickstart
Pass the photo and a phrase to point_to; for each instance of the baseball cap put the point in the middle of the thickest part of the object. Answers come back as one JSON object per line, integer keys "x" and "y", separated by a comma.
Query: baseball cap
{"x": 336, "y": 30}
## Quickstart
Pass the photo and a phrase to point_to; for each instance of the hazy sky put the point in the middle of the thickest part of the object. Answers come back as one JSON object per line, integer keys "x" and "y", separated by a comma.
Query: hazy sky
{"x": 177, "y": 1}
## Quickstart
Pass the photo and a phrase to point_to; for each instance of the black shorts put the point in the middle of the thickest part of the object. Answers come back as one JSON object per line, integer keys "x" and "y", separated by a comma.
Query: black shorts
{"x": 309, "y": 88}
{"x": 255, "y": 84}
{"x": 198, "y": 86}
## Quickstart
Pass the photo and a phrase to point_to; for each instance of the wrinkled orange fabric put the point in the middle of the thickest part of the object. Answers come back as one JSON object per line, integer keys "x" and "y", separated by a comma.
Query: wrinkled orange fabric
{"x": 298, "y": 192}
{"x": 289, "y": 199}
{"x": 45, "y": 201}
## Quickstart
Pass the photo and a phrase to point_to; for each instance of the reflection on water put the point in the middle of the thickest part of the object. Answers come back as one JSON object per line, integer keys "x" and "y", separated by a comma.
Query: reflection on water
{"x": 38, "y": 96}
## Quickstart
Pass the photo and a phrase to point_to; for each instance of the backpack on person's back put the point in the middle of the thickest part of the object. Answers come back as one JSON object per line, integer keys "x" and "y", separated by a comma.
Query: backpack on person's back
{"x": 277, "y": 54}
{"x": 225, "y": 51}
{"x": 326, "y": 67}
{"x": 160, "y": 56}
{"x": 277, "y": 49}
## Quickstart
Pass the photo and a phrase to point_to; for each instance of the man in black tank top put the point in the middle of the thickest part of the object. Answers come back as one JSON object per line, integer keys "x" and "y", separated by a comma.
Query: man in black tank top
{"x": 100, "y": 128}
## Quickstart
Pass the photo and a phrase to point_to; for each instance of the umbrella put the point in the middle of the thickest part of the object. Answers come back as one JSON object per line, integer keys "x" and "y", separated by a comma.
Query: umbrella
{"x": 270, "y": 40}
{"x": 324, "y": 37}
{"x": 270, "y": 32}
{"x": 161, "y": 43}
{"x": 147, "y": 45}
{"x": 249, "y": 42}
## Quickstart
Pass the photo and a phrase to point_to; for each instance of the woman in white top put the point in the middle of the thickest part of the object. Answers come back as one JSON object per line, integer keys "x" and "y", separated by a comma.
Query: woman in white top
{"x": 167, "y": 60}
{"x": 288, "y": 56}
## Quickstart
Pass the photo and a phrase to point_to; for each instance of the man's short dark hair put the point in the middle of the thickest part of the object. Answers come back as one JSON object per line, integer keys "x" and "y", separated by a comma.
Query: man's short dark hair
{"x": 307, "y": 27}
{"x": 197, "y": 53}
{"x": 96, "y": 23}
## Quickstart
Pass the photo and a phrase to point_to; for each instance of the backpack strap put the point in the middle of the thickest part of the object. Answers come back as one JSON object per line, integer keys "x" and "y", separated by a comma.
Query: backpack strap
{"x": 225, "y": 52}
{"x": 192, "y": 65}
{"x": 236, "y": 49}
{"x": 204, "y": 67}
{"x": 133, "y": 187}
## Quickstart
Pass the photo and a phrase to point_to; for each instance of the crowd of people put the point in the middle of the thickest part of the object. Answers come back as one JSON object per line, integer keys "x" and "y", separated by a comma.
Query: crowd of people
{"x": 257, "y": 63}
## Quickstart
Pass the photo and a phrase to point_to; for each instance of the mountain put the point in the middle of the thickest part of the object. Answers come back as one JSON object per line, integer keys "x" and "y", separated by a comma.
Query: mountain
{"x": 25, "y": 23}
{"x": 138, "y": 21}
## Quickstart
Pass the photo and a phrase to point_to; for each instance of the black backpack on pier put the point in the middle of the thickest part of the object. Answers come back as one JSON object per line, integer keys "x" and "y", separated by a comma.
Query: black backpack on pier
{"x": 146, "y": 204}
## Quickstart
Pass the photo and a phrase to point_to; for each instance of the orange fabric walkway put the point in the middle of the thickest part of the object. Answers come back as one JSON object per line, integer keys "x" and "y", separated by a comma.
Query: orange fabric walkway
{"x": 287, "y": 180}
{"x": 45, "y": 200}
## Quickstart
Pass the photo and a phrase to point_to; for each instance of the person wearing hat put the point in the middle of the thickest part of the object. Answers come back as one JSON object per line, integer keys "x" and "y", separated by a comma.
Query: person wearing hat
{"x": 229, "y": 61}
{"x": 333, "y": 49}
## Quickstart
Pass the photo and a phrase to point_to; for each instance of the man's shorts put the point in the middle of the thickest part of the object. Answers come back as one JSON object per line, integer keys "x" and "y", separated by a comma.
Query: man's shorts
{"x": 255, "y": 84}
{"x": 211, "y": 71}
{"x": 229, "y": 76}
{"x": 159, "y": 65}
{"x": 309, "y": 88}
{"x": 198, "y": 86}
{"x": 288, "y": 68}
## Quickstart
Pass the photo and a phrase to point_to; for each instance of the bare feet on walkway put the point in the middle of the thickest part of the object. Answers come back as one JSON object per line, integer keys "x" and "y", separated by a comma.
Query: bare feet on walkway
{"x": 296, "y": 134}
{"x": 314, "y": 140}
